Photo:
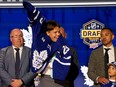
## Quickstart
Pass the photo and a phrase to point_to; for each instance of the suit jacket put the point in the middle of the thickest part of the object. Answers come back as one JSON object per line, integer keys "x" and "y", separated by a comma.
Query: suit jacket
{"x": 7, "y": 67}
{"x": 96, "y": 66}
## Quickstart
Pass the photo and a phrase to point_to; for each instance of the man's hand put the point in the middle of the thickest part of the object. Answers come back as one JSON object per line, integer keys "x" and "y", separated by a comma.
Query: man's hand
{"x": 16, "y": 83}
{"x": 103, "y": 80}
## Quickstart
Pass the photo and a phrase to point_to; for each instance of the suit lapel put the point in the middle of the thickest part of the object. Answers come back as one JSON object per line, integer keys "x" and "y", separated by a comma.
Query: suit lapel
{"x": 101, "y": 55}
{"x": 115, "y": 53}
{"x": 10, "y": 54}
{"x": 102, "y": 61}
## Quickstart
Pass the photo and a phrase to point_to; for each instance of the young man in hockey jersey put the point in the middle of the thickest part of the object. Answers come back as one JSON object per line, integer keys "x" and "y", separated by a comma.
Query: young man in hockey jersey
{"x": 50, "y": 54}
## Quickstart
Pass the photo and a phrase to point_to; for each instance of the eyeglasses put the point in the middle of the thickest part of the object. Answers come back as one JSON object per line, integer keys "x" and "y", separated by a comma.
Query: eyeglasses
{"x": 17, "y": 36}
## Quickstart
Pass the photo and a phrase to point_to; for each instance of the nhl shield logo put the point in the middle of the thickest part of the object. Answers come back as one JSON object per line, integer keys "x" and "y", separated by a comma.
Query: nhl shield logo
{"x": 91, "y": 33}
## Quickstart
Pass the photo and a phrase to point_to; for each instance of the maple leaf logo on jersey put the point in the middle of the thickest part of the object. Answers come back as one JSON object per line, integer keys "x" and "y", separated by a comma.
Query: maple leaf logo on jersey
{"x": 88, "y": 81}
{"x": 27, "y": 35}
{"x": 38, "y": 59}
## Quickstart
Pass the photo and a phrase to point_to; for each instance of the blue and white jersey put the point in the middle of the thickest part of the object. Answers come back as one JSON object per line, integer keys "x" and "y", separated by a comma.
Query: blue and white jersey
{"x": 43, "y": 48}
{"x": 110, "y": 84}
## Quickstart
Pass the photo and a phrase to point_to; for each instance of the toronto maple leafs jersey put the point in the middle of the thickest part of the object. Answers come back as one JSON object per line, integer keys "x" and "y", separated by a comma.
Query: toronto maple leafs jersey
{"x": 110, "y": 84}
{"x": 43, "y": 49}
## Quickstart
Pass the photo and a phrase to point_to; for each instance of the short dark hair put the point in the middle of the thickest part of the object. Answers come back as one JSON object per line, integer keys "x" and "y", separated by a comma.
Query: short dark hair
{"x": 105, "y": 28}
{"x": 51, "y": 24}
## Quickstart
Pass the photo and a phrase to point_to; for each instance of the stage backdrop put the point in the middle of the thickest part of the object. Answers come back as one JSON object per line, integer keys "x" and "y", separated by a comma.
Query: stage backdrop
{"x": 78, "y": 22}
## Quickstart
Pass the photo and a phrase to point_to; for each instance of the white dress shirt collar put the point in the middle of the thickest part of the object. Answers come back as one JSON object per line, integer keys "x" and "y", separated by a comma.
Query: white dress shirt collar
{"x": 19, "y": 47}
{"x": 111, "y": 47}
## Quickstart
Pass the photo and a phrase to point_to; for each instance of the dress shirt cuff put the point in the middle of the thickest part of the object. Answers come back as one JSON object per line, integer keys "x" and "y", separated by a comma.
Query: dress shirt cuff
{"x": 97, "y": 79}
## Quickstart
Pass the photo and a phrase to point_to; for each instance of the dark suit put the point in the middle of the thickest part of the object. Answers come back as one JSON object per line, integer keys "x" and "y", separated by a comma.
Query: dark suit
{"x": 74, "y": 69}
{"x": 96, "y": 64}
{"x": 7, "y": 67}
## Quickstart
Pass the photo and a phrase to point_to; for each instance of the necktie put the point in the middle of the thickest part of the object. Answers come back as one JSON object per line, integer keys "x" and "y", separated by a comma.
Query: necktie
{"x": 17, "y": 63}
{"x": 106, "y": 58}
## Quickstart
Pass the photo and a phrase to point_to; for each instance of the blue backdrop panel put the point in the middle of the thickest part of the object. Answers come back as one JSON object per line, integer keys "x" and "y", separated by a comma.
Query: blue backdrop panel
{"x": 70, "y": 18}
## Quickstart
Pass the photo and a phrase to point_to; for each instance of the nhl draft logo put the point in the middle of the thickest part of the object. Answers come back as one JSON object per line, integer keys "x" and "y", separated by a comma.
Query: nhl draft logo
{"x": 91, "y": 33}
